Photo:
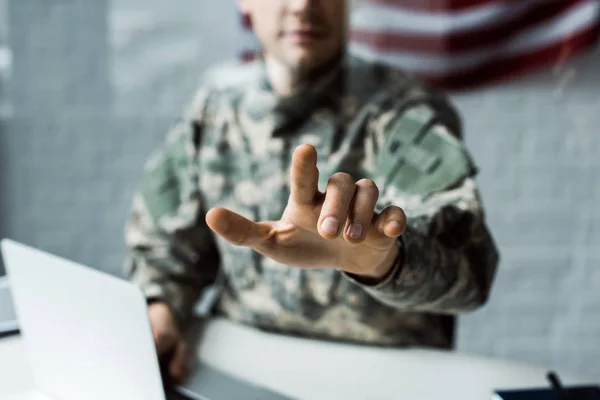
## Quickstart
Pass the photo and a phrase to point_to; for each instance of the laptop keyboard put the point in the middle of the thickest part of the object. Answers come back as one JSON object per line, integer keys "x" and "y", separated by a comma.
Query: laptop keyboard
{"x": 208, "y": 383}
{"x": 177, "y": 396}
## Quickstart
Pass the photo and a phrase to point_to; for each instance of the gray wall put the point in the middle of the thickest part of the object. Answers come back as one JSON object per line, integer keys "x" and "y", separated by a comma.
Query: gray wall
{"x": 537, "y": 141}
{"x": 96, "y": 85}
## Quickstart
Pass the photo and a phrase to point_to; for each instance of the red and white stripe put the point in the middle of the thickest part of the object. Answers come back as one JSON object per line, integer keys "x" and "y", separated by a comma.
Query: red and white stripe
{"x": 247, "y": 42}
{"x": 465, "y": 43}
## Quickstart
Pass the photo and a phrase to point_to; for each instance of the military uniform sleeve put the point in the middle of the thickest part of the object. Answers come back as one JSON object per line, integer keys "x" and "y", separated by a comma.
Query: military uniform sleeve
{"x": 447, "y": 259}
{"x": 171, "y": 252}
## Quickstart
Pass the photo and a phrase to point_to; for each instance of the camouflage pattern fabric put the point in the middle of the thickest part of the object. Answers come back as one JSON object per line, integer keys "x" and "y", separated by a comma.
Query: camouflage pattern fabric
{"x": 232, "y": 148}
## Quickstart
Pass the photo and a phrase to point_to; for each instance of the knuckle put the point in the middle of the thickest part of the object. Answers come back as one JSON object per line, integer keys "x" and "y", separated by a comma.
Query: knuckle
{"x": 182, "y": 347}
{"x": 302, "y": 183}
{"x": 368, "y": 185}
{"x": 241, "y": 238}
{"x": 163, "y": 338}
{"x": 159, "y": 331}
{"x": 402, "y": 213}
{"x": 396, "y": 212}
{"x": 341, "y": 178}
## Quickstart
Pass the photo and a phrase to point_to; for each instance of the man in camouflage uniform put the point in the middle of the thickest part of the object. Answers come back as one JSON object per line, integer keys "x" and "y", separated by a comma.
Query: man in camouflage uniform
{"x": 335, "y": 198}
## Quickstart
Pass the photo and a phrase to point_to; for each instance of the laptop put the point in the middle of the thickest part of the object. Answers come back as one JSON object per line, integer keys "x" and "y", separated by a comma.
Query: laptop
{"x": 87, "y": 336}
{"x": 8, "y": 319}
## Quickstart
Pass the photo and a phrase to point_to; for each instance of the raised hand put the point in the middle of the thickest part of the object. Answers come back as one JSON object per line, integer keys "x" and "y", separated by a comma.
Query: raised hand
{"x": 336, "y": 229}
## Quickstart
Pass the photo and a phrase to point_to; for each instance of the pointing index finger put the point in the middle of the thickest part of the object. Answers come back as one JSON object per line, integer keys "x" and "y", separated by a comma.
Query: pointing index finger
{"x": 304, "y": 175}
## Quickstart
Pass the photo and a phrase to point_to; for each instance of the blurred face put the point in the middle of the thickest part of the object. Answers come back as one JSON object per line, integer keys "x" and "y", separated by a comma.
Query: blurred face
{"x": 300, "y": 34}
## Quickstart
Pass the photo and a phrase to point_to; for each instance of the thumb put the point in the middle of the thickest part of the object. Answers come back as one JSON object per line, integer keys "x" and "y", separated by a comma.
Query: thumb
{"x": 236, "y": 229}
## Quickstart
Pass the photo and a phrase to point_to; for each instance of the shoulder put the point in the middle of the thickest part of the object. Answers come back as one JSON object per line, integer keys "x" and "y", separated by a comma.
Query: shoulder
{"x": 392, "y": 90}
{"x": 376, "y": 75}
{"x": 413, "y": 122}
{"x": 218, "y": 85}
{"x": 221, "y": 82}
{"x": 231, "y": 75}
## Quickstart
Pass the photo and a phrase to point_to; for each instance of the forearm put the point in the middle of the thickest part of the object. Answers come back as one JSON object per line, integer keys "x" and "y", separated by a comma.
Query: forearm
{"x": 169, "y": 266}
{"x": 432, "y": 276}
{"x": 170, "y": 280}
{"x": 447, "y": 258}
{"x": 171, "y": 253}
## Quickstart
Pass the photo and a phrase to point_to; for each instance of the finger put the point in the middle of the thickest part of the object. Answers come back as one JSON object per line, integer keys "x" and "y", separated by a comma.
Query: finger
{"x": 164, "y": 362}
{"x": 334, "y": 212}
{"x": 361, "y": 211}
{"x": 391, "y": 222}
{"x": 304, "y": 175}
{"x": 236, "y": 229}
{"x": 178, "y": 365}
{"x": 164, "y": 342}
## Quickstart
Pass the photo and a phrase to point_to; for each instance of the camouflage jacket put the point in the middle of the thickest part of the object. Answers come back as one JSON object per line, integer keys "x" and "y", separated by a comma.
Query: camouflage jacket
{"x": 232, "y": 148}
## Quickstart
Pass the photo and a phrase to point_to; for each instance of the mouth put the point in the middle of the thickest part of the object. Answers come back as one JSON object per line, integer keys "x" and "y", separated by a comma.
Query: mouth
{"x": 304, "y": 36}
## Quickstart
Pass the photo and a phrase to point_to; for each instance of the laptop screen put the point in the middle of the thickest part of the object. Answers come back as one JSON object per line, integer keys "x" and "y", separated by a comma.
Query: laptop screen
{"x": 8, "y": 319}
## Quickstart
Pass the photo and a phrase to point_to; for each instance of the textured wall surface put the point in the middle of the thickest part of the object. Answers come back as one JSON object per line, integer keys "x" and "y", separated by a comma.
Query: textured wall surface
{"x": 537, "y": 142}
{"x": 96, "y": 84}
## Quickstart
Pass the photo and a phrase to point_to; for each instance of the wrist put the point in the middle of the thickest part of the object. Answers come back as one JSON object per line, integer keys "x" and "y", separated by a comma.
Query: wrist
{"x": 381, "y": 271}
{"x": 388, "y": 263}
{"x": 164, "y": 310}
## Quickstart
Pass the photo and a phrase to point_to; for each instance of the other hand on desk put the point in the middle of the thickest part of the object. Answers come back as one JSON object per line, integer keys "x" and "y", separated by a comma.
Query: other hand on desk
{"x": 170, "y": 345}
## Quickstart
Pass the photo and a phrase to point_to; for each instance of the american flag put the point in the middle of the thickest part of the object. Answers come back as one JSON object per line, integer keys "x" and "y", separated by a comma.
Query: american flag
{"x": 458, "y": 44}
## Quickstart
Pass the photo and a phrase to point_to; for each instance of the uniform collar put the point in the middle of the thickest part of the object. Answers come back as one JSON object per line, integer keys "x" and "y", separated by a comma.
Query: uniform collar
{"x": 262, "y": 105}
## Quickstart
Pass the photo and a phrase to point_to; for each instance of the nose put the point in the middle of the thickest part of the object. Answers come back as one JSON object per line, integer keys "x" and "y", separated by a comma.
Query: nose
{"x": 300, "y": 5}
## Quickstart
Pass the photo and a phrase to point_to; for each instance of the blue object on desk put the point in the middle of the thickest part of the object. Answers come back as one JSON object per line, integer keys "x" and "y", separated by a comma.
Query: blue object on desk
{"x": 573, "y": 393}
{"x": 556, "y": 391}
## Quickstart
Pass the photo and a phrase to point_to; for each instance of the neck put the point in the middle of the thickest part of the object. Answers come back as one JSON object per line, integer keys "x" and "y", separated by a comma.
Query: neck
{"x": 285, "y": 80}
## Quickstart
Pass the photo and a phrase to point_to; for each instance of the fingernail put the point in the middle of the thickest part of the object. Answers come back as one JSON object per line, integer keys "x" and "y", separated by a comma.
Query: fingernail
{"x": 355, "y": 231}
{"x": 396, "y": 226}
{"x": 330, "y": 225}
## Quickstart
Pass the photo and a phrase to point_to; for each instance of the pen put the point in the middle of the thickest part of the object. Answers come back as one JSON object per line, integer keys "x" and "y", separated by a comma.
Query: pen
{"x": 561, "y": 393}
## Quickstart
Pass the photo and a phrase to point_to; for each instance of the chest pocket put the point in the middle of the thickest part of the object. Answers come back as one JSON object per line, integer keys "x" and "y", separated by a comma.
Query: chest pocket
{"x": 166, "y": 180}
{"x": 222, "y": 168}
{"x": 226, "y": 181}
{"x": 420, "y": 157}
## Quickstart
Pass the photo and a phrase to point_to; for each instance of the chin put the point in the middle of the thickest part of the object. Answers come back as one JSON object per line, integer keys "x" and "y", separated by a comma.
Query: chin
{"x": 305, "y": 61}
{"x": 301, "y": 60}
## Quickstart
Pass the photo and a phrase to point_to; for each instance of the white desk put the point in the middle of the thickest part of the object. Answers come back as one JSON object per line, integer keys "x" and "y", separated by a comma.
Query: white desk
{"x": 307, "y": 369}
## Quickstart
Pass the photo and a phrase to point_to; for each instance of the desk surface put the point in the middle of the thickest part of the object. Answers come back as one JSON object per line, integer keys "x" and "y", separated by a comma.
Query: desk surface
{"x": 308, "y": 369}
